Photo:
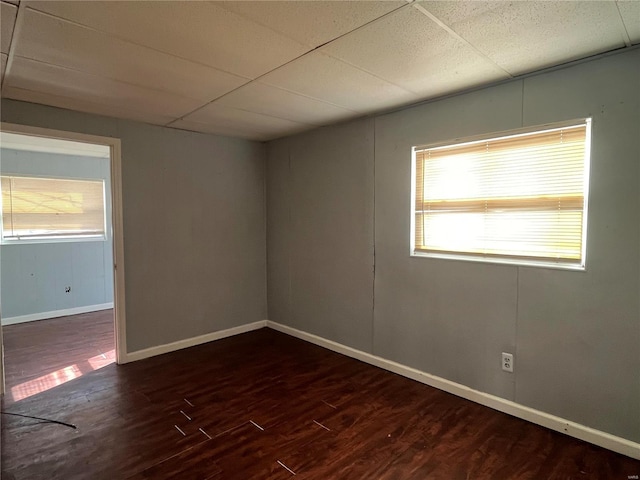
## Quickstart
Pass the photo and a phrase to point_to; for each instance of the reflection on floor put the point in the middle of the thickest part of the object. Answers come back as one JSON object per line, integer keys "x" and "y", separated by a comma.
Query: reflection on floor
{"x": 44, "y": 354}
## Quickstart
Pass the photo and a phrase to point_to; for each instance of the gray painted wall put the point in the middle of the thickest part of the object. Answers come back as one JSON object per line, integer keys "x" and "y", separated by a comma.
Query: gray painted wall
{"x": 320, "y": 224}
{"x": 575, "y": 335}
{"x": 33, "y": 276}
{"x": 194, "y": 224}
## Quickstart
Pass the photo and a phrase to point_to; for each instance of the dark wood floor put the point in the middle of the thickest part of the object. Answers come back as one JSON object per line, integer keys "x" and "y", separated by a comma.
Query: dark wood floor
{"x": 265, "y": 406}
{"x": 38, "y": 355}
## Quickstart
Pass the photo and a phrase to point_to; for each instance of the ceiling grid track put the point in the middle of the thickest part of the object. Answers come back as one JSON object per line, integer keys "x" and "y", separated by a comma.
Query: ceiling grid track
{"x": 124, "y": 39}
{"x": 625, "y": 32}
{"x": 301, "y": 65}
{"x": 147, "y": 87}
{"x": 319, "y": 47}
{"x": 124, "y": 82}
{"x": 455, "y": 35}
{"x": 17, "y": 27}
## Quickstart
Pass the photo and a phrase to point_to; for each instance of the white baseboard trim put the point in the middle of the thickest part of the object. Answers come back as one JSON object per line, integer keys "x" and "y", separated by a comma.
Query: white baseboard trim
{"x": 591, "y": 435}
{"x": 192, "y": 342}
{"x": 32, "y": 317}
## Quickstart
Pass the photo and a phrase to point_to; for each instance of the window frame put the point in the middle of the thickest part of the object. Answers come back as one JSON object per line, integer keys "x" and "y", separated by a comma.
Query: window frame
{"x": 44, "y": 239}
{"x": 497, "y": 259}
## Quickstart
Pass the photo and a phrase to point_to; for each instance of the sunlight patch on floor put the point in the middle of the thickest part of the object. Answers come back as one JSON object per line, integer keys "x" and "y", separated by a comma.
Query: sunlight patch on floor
{"x": 59, "y": 377}
{"x": 102, "y": 360}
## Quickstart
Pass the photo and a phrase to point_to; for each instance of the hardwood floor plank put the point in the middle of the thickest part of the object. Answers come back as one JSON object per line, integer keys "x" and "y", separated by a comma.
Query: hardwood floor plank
{"x": 194, "y": 463}
{"x": 58, "y": 348}
{"x": 263, "y": 405}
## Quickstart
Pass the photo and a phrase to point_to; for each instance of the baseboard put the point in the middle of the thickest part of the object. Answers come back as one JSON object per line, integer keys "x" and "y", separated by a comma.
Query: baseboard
{"x": 32, "y": 317}
{"x": 562, "y": 425}
{"x": 192, "y": 342}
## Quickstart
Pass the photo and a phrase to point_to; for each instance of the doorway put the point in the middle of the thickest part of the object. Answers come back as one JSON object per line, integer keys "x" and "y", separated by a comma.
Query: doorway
{"x": 75, "y": 217}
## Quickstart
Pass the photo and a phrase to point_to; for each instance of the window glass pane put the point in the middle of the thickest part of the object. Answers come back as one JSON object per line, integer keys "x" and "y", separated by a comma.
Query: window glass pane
{"x": 517, "y": 196}
{"x": 46, "y": 207}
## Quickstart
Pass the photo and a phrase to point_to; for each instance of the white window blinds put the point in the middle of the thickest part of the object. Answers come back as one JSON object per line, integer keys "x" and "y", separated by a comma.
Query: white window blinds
{"x": 34, "y": 207}
{"x": 518, "y": 197}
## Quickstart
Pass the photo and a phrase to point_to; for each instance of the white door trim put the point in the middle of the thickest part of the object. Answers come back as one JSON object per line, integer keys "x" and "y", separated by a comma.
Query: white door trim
{"x": 117, "y": 225}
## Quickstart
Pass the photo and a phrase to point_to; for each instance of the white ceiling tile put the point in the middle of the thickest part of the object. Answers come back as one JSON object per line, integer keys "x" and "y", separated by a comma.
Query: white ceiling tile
{"x": 52, "y": 40}
{"x": 267, "y": 100}
{"x": 83, "y": 106}
{"x": 157, "y": 61}
{"x": 3, "y": 66}
{"x": 323, "y": 77}
{"x": 630, "y": 11}
{"x": 315, "y": 22}
{"x": 8, "y": 14}
{"x": 410, "y": 50}
{"x": 259, "y": 125}
{"x": 198, "y": 31}
{"x": 527, "y": 36}
{"x": 50, "y": 79}
{"x": 218, "y": 130}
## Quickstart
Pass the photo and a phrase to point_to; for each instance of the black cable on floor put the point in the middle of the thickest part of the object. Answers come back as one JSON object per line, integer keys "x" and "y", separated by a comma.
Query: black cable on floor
{"x": 48, "y": 420}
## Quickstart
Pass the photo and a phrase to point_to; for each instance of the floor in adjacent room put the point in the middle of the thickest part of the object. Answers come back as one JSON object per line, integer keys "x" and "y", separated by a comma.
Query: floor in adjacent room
{"x": 44, "y": 354}
{"x": 263, "y": 405}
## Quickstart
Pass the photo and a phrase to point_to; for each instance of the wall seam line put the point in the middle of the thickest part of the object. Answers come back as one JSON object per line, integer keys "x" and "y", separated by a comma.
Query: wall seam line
{"x": 515, "y": 333}
{"x": 515, "y": 346}
{"x": 265, "y": 158}
{"x": 289, "y": 186}
{"x": 373, "y": 294}
{"x": 522, "y": 105}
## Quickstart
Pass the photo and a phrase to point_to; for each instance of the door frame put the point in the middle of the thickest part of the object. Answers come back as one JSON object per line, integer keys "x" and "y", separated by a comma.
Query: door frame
{"x": 115, "y": 165}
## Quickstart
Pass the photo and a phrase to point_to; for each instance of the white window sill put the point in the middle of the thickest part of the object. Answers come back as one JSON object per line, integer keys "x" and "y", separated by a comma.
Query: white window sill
{"x": 502, "y": 261}
{"x": 33, "y": 241}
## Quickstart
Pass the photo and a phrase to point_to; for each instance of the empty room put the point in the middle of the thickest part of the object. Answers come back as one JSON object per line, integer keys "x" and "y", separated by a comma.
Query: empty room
{"x": 338, "y": 240}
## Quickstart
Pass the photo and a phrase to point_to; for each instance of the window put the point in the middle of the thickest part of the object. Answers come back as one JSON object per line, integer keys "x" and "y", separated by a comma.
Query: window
{"x": 519, "y": 197}
{"x": 51, "y": 208}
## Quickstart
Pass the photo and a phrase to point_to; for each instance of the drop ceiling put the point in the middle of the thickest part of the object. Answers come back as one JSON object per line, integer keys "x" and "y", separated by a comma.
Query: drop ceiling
{"x": 266, "y": 69}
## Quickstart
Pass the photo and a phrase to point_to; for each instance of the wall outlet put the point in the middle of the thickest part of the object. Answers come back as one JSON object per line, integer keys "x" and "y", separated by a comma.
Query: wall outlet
{"x": 507, "y": 362}
{"x": 67, "y": 289}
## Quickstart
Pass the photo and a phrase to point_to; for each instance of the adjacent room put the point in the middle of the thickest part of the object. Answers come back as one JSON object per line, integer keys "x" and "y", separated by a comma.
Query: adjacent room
{"x": 322, "y": 239}
{"x": 57, "y": 261}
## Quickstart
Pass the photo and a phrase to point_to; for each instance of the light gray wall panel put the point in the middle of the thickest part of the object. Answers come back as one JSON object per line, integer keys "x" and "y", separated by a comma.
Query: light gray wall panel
{"x": 574, "y": 334}
{"x": 194, "y": 224}
{"x": 449, "y": 318}
{"x": 278, "y": 231}
{"x": 34, "y": 276}
{"x": 89, "y": 277}
{"x": 330, "y": 239}
{"x": 25, "y": 113}
{"x": 578, "y": 332}
{"x": 195, "y": 220}
{"x": 332, "y": 228}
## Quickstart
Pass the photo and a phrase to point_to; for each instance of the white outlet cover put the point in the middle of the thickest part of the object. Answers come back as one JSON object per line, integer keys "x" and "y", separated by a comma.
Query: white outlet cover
{"x": 507, "y": 362}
